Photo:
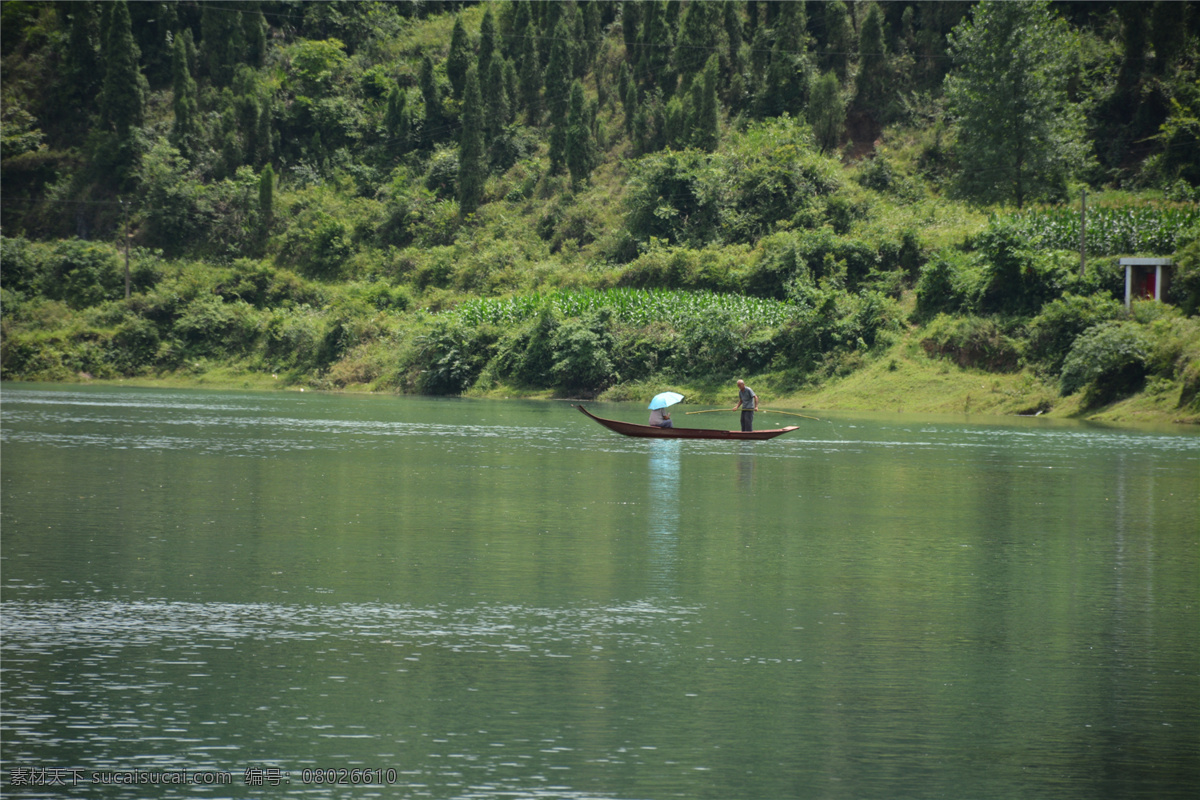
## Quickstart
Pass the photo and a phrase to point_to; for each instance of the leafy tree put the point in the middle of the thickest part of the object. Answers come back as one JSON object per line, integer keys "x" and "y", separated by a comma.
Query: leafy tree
{"x": 1060, "y": 322}
{"x": 1168, "y": 31}
{"x": 583, "y": 353}
{"x": 578, "y": 47}
{"x": 1179, "y": 137}
{"x": 558, "y": 147}
{"x": 472, "y": 155}
{"x": 519, "y": 31}
{"x": 1019, "y": 135}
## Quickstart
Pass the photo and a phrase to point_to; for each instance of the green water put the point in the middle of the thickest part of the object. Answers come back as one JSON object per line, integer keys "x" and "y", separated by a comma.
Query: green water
{"x": 505, "y": 600}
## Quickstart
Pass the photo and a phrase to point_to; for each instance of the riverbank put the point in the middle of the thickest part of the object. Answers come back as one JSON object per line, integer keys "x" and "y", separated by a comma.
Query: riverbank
{"x": 899, "y": 381}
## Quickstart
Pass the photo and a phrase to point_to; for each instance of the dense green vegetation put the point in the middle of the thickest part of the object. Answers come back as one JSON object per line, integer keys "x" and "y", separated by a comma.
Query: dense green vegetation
{"x": 579, "y": 198}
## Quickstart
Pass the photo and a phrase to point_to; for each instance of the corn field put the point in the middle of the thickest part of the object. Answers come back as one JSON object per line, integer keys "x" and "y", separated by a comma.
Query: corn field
{"x": 1129, "y": 230}
{"x": 630, "y": 306}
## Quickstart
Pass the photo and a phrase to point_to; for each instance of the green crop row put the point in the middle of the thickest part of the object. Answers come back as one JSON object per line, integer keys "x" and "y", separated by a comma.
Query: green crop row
{"x": 1110, "y": 231}
{"x": 630, "y": 306}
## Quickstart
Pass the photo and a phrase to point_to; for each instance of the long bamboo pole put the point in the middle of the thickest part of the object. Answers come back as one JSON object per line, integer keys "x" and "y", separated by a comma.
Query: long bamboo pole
{"x": 790, "y": 414}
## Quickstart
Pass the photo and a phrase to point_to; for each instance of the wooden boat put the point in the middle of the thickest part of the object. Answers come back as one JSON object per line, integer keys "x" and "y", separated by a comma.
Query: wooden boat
{"x": 649, "y": 431}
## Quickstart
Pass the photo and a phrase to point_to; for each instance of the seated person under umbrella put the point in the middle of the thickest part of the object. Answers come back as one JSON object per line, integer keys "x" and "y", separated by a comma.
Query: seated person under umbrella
{"x": 659, "y": 418}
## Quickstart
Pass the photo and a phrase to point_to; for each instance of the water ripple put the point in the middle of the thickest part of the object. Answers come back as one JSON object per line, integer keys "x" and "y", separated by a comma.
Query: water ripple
{"x": 42, "y": 627}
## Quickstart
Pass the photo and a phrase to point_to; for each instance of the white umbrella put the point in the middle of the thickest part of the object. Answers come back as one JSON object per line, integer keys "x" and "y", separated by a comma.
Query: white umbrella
{"x": 665, "y": 399}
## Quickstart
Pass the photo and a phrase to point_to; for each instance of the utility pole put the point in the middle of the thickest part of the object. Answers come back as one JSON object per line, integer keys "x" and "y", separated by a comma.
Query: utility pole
{"x": 125, "y": 218}
{"x": 1082, "y": 231}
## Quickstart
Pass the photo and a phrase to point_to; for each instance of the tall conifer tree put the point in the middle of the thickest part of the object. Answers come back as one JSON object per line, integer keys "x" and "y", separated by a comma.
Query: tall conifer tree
{"x": 496, "y": 102}
{"x": 487, "y": 44}
{"x": 397, "y": 120}
{"x": 83, "y": 53}
{"x": 558, "y": 75}
{"x": 185, "y": 130}
{"x": 266, "y": 196}
{"x": 472, "y": 159}
{"x": 432, "y": 96}
{"x": 698, "y": 34}
{"x": 871, "y": 84}
{"x": 530, "y": 72}
{"x": 827, "y": 111}
{"x": 222, "y": 39}
{"x": 839, "y": 38}
{"x": 122, "y": 98}
{"x": 707, "y": 129}
{"x": 459, "y": 58}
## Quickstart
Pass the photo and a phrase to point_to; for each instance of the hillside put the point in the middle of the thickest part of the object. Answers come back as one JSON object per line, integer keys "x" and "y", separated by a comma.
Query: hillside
{"x": 606, "y": 199}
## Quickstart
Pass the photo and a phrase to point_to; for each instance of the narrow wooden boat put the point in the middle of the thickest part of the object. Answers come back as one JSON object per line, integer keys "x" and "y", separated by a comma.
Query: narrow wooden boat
{"x": 649, "y": 431}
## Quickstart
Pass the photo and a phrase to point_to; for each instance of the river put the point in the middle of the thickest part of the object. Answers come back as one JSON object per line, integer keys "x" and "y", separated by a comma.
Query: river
{"x": 254, "y": 594}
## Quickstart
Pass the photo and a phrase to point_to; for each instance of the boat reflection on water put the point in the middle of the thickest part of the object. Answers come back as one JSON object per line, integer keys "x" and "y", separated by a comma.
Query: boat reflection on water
{"x": 663, "y": 518}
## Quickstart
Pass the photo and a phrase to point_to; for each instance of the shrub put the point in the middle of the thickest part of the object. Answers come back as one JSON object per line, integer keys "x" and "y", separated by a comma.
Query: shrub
{"x": 1174, "y": 352}
{"x": 787, "y": 259}
{"x": 975, "y": 342}
{"x": 442, "y": 176}
{"x": 1106, "y": 361}
{"x": 1053, "y": 331}
{"x": 1015, "y": 279}
{"x": 946, "y": 284}
{"x": 905, "y": 256}
{"x": 451, "y": 356}
{"x": 22, "y": 265}
{"x": 79, "y": 273}
{"x": 583, "y": 354}
{"x": 709, "y": 269}
{"x": 209, "y": 326}
{"x": 643, "y": 352}
{"x": 293, "y": 338}
{"x": 385, "y": 297}
{"x": 134, "y": 345}
{"x": 528, "y": 355}
{"x": 1185, "y": 288}
{"x": 672, "y": 197}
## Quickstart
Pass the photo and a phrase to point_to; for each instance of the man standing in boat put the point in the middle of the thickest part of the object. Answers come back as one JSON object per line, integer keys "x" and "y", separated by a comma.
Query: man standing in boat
{"x": 748, "y": 403}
